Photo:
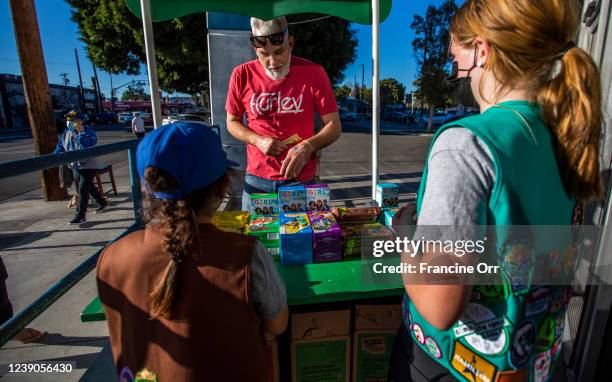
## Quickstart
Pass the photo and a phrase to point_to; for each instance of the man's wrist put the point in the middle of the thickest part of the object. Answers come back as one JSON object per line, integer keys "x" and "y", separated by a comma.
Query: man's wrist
{"x": 308, "y": 144}
{"x": 255, "y": 139}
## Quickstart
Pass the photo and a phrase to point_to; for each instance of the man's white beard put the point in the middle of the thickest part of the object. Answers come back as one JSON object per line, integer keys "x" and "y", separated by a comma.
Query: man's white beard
{"x": 282, "y": 74}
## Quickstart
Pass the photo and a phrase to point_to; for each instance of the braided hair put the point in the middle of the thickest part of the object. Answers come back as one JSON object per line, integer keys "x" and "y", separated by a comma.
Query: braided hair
{"x": 177, "y": 219}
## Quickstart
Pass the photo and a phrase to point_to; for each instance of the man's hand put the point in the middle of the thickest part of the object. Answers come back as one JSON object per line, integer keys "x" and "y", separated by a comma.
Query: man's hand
{"x": 271, "y": 146}
{"x": 296, "y": 159}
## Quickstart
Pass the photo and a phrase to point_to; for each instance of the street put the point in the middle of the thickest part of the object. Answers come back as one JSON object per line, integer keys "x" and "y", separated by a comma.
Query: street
{"x": 20, "y": 146}
{"x": 397, "y": 154}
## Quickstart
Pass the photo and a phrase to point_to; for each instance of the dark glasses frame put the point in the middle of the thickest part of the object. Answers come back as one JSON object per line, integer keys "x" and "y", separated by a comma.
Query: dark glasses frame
{"x": 274, "y": 38}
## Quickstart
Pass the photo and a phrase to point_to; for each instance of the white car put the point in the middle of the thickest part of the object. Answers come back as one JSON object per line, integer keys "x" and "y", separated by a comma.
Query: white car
{"x": 438, "y": 119}
{"x": 124, "y": 117}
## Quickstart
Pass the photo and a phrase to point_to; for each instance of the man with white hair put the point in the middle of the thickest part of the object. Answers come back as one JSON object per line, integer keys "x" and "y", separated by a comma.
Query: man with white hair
{"x": 280, "y": 94}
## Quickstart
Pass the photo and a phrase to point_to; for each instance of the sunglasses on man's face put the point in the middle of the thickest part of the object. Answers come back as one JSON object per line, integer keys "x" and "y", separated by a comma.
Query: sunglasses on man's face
{"x": 274, "y": 38}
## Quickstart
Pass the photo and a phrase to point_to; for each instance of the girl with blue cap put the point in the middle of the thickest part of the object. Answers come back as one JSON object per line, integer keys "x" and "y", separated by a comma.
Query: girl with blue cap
{"x": 185, "y": 300}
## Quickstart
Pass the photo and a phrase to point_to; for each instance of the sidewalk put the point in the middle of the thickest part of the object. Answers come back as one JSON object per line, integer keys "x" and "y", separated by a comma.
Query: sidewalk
{"x": 38, "y": 249}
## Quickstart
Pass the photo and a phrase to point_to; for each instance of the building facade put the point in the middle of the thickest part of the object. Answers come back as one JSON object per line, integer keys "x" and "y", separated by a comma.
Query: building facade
{"x": 13, "y": 109}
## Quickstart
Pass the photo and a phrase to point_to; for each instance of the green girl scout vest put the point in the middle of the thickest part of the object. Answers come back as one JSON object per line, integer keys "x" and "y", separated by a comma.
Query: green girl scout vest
{"x": 511, "y": 331}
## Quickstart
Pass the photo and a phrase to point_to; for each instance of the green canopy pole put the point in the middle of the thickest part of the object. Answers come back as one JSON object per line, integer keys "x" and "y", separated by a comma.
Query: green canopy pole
{"x": 375, "y": 93}
{"x": 147, "y": 25}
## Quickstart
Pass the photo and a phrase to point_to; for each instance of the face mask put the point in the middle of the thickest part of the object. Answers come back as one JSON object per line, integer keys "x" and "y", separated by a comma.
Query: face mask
{"x": 70, "y": 125}
{"x": 460, "y": 87}
{"x": 461, "y": 90}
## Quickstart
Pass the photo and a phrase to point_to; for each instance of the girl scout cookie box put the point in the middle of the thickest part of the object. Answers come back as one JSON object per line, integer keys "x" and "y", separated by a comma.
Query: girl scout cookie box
{"x": 266, "y": 230}
{"x": 387, "y": 195}
{"x": 326, "y": 241}
{"x": 296, "y": 239}
{"x": 386, "y": 217}
{"x": 317, "y": 197}
{"x": 375, "y": 329}
{"x": 292, "y": 199}
{"x": 320, "y": 346}
{"x": 234, "y": 221}
{"x": 355, "y": 215}
{"x": 264, "y": 204}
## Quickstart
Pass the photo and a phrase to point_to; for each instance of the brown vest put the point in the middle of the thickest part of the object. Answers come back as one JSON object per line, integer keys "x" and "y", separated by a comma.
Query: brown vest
{"x": 213, "y": 333}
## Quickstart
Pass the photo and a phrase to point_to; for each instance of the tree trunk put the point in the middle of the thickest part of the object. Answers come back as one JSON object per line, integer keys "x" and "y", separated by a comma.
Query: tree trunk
{"x": 430, "y": 121}
{"x": 37, "y": 92}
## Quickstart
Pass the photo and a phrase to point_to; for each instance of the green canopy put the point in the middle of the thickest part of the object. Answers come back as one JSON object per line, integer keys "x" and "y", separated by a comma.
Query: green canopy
{"x": 359, "y": 11}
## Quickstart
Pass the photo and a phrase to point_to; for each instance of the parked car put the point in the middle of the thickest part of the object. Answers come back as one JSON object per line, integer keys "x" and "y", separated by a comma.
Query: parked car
{"x": 186, "y": 117}
{"x": 106, "y": 118}
{"x": 396, "y": 116}
{"x": 124, "y": 117}
{"x": 147, "y": 118}
{"x": 199, "y": 118}
{"x": 438, "y": 119}
{"x": 347, "y": 115}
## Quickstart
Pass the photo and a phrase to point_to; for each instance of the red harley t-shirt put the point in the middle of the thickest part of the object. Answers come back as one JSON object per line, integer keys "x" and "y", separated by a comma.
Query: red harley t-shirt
{"x": 279, "y": 109}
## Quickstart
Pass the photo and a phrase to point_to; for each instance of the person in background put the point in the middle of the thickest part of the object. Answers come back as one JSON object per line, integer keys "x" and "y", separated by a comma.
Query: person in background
{"x": 529, "y": 159}
{"x": 77, "y": 136}
{"x": 184, "y": 300}
{"x": 138, "y": 128}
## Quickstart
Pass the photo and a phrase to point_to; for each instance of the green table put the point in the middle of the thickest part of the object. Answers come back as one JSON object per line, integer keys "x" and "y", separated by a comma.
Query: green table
{"x": 307, "y": 284}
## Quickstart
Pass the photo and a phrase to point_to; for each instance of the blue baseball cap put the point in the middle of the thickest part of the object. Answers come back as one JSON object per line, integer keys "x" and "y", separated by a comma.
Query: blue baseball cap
{"x": 190, "y": 152}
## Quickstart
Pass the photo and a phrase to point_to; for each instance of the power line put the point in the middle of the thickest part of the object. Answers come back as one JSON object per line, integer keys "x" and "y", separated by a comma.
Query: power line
{"x": 46, "y": 63}
{"x": 309, "y": 21}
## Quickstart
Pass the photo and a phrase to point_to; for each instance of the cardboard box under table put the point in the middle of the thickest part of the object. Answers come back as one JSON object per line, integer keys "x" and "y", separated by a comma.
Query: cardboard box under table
{"x": 320, "y": 346}
{"x": 375, "y": 329}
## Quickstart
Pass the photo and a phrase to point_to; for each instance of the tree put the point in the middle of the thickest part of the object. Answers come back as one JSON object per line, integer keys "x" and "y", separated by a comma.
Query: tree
{"x": 430, "y": 48}
{"x": 342, "y": 92}
{"x": 391, "y": 92}
{"x": 134, "y": 93}
{"x": 115, "y": 43}
{"x": 329, "y": 42}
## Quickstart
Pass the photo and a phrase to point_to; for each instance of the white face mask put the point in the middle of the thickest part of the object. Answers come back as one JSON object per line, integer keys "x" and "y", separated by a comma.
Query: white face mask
{"x": 70, "y": 124}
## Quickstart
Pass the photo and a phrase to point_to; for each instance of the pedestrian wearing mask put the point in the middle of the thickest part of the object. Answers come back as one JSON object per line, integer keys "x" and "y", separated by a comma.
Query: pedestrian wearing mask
{"x": 77, "y": 136}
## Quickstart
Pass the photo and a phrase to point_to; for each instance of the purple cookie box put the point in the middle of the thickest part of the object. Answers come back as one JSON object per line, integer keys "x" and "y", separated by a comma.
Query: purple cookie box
{"x": 324, "y": 256}
{"x": 324, "y": 238}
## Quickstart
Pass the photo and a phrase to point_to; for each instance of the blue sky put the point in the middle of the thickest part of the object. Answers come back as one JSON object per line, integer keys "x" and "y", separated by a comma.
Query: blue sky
{"x": 60, "y": 36}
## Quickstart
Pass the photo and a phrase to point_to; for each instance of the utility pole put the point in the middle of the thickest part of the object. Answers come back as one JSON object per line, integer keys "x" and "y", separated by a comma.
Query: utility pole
{"x": 97, "y": 86}
{"x": 362, "y": 82}
{"x": 81, "y": 94}
{"x": 112, "y": 92}
{"x": 65, "y": 79}
{"x": 37, "y": 92}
